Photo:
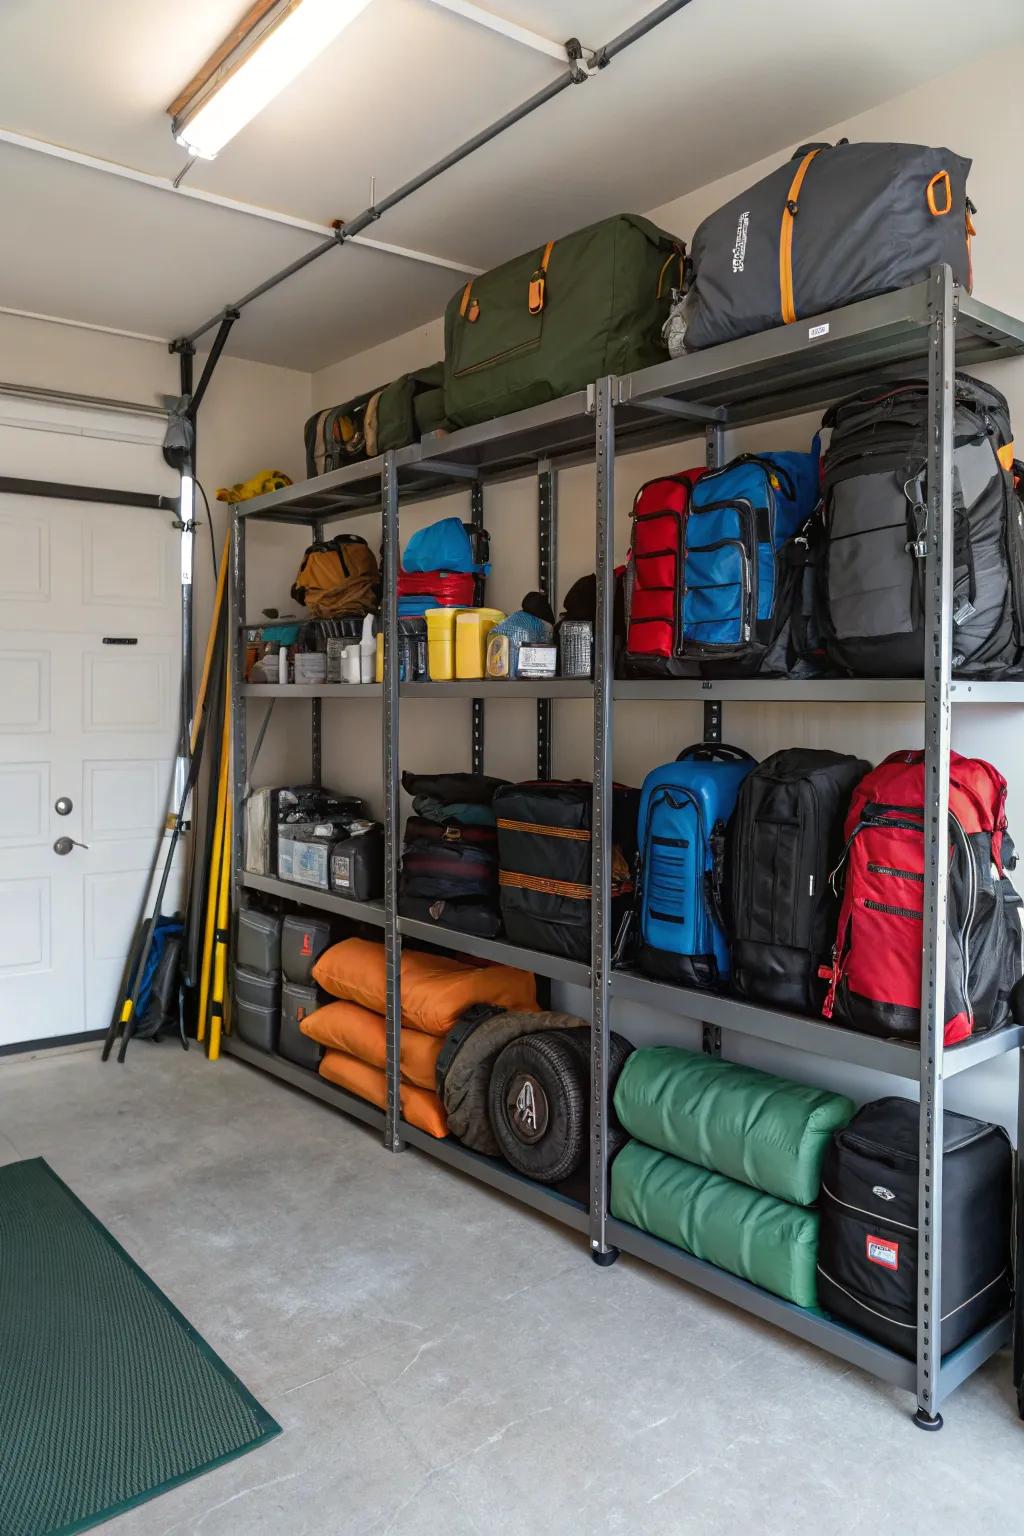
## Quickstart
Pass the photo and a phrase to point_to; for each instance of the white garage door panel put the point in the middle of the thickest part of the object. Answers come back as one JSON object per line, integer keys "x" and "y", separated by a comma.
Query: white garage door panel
{"x": 90, "y": 721}
{"x": 24, "y": 558}
{"x": 24, "y": 800}
{"x": 24, "y": 691}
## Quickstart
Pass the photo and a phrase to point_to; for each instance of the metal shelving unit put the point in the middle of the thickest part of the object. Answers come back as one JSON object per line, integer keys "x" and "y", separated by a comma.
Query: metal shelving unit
{"x": 795, "y": 368}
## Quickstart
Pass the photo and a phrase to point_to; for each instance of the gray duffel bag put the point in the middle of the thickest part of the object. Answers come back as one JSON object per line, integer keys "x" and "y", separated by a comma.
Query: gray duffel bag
{"x": 834, "y": 224}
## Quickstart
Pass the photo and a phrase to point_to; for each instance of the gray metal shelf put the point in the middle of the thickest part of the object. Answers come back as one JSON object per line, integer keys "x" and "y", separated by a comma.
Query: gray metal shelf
{"x": 309, "y": 896}
{"x": 493, "y": 688}
{"x": 498, "y": 950}
{"x": 811, "y": 1326}
{"x": 755, "y": 379}
{"x": 311, "y": 690}
{"x": 499, "y": 1175}
{"x": 798, "y": 1032}
{"x": 305, "y": 1079}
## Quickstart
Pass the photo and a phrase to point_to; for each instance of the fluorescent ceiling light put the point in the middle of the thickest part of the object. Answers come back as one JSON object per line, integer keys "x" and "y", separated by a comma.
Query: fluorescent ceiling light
{"x": 284, "y": 40}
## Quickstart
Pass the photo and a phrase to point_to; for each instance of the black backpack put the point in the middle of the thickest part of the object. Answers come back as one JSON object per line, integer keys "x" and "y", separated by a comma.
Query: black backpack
{"x": 785, "y": 837}
{"x": 872, "y": 571}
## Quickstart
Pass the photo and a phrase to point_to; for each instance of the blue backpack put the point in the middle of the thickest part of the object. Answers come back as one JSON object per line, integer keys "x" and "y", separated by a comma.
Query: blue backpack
{"x": 736, "y": 593}
{"x": 684, "y": 809}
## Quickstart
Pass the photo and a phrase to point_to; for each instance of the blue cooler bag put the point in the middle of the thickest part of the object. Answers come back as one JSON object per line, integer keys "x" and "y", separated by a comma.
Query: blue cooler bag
{"x": 737, "y": 593}
{"x": 684, "y": 809}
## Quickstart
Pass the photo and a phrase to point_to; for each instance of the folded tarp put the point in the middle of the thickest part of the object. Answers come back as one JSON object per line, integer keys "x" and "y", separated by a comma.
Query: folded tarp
{"x": 435, "y": 990}
{"x": 769, "y": 1242}
{"x": 751, "y": 1126}
{"x": 419, "y": 1107}
{"x": 362, "y": 1034}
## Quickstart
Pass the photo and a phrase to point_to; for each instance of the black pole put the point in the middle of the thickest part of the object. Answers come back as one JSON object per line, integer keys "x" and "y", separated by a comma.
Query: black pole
{"x": 62, "y": 492}
{"x": 229, "y": 318}
{"x": 573, "y": 75}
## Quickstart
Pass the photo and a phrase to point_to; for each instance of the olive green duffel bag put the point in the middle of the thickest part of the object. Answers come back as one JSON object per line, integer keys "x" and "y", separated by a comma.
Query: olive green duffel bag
{"x": 400, "y": 413}
{"x": 557, "y": 318}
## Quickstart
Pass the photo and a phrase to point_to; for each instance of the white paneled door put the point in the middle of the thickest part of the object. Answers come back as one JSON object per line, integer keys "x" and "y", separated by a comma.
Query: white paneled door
{"x": 90, "y": 645}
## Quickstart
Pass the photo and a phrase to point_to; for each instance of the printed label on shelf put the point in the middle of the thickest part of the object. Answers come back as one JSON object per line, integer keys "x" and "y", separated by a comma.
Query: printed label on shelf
{"x": 817, "y": 330}
{"x": 883, "y": 1251}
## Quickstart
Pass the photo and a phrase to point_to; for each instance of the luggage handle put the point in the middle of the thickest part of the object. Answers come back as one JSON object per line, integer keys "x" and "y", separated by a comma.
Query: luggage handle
{"x": 714, "y": 752}
{"x": 805, "y": 149}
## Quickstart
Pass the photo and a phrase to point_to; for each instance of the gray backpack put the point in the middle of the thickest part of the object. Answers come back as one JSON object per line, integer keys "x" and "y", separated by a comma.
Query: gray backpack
{"x": 871, "y": 566}
{"x": 834, "y": 224}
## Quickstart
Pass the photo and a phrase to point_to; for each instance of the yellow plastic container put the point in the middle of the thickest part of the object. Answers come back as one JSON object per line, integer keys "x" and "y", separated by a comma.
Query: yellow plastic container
{"x": 472, "y": 626}
{"x": 441, "y": 643}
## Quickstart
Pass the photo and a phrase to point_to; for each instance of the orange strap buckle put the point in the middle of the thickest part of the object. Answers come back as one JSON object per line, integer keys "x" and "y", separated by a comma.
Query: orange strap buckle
{"x": 941, "y": 178}
{"x": 539, "y": 283}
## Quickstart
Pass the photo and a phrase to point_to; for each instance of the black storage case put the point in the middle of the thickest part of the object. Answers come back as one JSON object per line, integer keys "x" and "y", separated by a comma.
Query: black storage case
{"x": 303, "y": 940}
{"x": 544, "y": 853}
{"x": 259, "y": 941}
{"x": 867, "y": 1254}
{"x": 357, "y": 865}
{"x": 293, "y": 1045}
{"x": 255, "y": 1024}
{"x": 255, "y": 988}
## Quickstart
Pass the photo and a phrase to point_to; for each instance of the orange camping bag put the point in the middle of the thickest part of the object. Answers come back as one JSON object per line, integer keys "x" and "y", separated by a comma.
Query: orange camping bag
{"x": 419, "y": 1107}
{"x": 362, "y": 1034}
{"x": 436, "y": 991}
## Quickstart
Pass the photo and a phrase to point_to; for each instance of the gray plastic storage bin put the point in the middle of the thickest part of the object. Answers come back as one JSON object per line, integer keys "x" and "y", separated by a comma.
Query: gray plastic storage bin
{"x": 256, "y": 1025}
{"x": 296, "y": 1003}
{"x": 260, "y": 991}
{"x": 259, "y": 941}
{"x": 303, "y": 941}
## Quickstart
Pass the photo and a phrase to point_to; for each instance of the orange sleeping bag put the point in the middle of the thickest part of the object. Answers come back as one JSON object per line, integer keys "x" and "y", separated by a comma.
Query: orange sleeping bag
{"x": 362, "y": 1034}
{"x": 435, "y": 990}
{"x": 419, "y": 1107}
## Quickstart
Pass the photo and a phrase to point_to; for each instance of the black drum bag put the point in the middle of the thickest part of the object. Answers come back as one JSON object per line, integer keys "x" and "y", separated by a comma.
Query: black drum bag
{"x": 867, "y": 1255}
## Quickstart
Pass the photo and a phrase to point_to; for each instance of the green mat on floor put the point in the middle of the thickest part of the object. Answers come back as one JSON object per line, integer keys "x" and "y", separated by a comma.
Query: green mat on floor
{"x": 107, "y": 1395}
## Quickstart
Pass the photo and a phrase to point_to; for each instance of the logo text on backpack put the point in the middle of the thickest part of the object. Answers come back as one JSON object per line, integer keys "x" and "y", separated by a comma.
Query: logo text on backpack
{"x": 739, "y": 250}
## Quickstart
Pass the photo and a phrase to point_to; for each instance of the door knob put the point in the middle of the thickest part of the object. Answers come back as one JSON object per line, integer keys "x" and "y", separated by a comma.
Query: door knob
{"x": 63, "y": 806}
{"x": 65, "y": 844}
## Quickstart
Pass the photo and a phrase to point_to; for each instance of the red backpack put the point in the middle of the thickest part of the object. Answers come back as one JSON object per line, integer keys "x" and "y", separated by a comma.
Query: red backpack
{"x": 875, "y": 977}
{"x": 654, "y": 576}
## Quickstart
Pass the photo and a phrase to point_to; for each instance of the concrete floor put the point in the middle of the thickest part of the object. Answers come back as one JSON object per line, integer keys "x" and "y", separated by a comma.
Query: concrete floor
{"x": 443, "y": 1361}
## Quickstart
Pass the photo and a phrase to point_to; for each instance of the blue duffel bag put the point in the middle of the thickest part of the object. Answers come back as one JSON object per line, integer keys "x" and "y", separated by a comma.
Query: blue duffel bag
{"x": 737, "y": 592}
{"x": 684, "y": 809}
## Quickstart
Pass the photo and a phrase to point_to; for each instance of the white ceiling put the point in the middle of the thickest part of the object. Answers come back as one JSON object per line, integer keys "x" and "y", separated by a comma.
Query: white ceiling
{"x": 403, "y": 85}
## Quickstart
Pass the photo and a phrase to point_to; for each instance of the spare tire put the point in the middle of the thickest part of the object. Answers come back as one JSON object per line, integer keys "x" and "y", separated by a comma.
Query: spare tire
{"x": 467, "y": 1059}
{"x": 538, "y": 1106}
{"x": 619, "y": 1050}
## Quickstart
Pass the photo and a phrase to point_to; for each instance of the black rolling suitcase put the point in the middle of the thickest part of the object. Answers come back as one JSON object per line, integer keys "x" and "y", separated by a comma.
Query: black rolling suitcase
{"x": 867, "y": 1254}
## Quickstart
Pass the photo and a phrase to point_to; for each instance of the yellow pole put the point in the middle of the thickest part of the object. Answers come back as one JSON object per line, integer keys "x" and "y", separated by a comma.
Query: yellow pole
{"x": 220, "y": 951}
{"x": 212, "y": 892}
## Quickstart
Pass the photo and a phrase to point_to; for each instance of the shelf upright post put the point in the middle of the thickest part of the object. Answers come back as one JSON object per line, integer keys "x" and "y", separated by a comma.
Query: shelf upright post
{"x": 316, "y": 709}
{"x": 547, "y": 558}
{"x": 392, "y": 806}
{"x": 601, "y": 848}
{"x": 714, "y": 457}
{"x": 477, "y": 746}
{"x": 938, "y": 574}
{"x": 239, "y": 748}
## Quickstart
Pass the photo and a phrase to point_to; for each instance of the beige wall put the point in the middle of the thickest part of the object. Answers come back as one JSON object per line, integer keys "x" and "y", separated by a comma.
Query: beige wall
{"x": 977, "y": 111}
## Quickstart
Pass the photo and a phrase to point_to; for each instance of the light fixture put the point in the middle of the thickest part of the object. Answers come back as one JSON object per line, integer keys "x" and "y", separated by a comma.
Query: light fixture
{"x": 270, "y": 47}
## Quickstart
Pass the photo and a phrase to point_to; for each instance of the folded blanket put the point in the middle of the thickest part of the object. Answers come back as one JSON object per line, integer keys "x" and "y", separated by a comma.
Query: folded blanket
{"x": 362, "y": 1034}
{"x": 752, "y": 1126}
{"x": 435, "y": 990}
{"x": 419, "y": 1107}
{"x": 767, "y": 1241}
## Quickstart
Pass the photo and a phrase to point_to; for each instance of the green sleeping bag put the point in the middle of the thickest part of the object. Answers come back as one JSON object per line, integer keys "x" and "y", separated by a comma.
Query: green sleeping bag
{"x": 751, "y": 1126}
{"x": 761, "y": 1239}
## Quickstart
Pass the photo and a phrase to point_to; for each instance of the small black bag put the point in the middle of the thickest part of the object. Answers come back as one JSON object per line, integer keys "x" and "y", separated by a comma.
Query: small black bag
{"x": 357, "y": 864}
{"x": 475, "y": 915}
{"x": 867, "y": 1252}
{"x": 785, "y": 837}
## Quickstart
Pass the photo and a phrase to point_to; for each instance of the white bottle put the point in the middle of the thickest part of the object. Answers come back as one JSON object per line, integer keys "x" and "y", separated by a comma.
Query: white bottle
{"x": 350, "y": 669}
{"x": 282, "y": 664}
{"x": 367, "y": 651}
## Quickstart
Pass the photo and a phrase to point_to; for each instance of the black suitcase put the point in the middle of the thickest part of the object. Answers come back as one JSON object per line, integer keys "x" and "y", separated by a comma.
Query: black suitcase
{"x": 544, "y": 852}
{"x": 303, "y": 940}
{"x": 867, "y": 1253}
{"x": 293, "y": 1045}
{"x": 785, "y": 837}
{"x": 357, "y": 864}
